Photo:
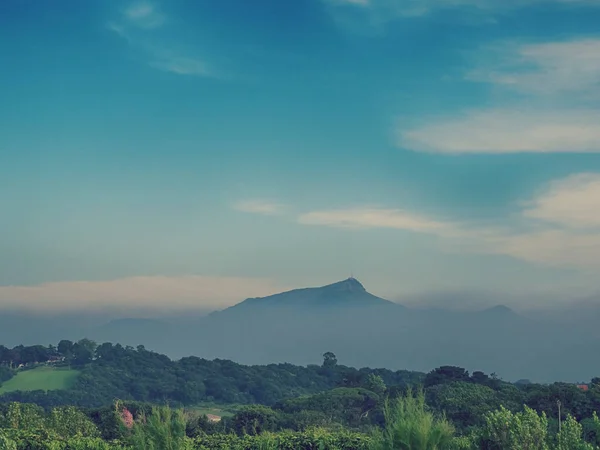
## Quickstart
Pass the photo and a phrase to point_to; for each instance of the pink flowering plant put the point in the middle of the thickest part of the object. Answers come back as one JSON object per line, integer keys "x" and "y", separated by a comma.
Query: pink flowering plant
{"x": 124, "y": 416}
{"x": 127, "y": 418}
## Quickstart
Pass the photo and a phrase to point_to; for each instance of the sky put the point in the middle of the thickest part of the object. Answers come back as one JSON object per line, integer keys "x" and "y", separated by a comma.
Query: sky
{"x": 194, "y": 153}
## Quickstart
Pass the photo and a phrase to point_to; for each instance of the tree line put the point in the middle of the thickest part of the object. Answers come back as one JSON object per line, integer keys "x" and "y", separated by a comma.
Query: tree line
{"x": 110, "y": 371}
{"x": 79, "y": 353}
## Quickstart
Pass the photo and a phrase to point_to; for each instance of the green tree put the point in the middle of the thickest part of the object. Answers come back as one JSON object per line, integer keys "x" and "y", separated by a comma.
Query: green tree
{"x": 479, "y": 377}
{"x": 83, "y": 351}
{"x": 409, "y": 425}
{"x": 255, "y": 419}
{"x": 570, "y": 436}
{"x": 524, "y": 430}
{"x": 6, "y": 443}
{"x": 375, "y": 383}
{"x": 446, "y": 374}
{"x": 465, "y": 404}
{"x": 23, "y": 416}
{"x": 329, "y": 360}
{"x": 163, "y": 429}
{"x": 591, "y": 429}
{"x": 69, "y": 421}
{"x": 65, "y": 348}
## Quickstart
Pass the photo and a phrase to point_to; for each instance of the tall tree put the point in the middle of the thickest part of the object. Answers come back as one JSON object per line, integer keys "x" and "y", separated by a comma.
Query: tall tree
{"x": 329, "y": 360}
{"x": 65, "y": 348}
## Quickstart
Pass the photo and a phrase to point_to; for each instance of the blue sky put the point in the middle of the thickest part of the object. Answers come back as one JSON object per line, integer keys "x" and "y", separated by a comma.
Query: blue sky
{"x": 204, "y": 152}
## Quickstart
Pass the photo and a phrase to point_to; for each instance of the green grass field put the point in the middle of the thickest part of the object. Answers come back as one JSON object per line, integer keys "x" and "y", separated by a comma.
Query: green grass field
{"x": 44, "y": 378}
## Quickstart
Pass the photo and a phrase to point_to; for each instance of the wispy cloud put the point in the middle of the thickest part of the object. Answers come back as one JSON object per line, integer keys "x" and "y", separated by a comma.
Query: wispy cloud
{"x": 373, "y": 217}
{"x": 558, "y": 227}
{"x": 182, "y": 65}
{"x": 158, "y": 293}
{"x": 140, "y": 24}
{"x": 144, "y": 15}
{"x": 352, "y": 2}
{"x": 550, "y": 68}
{"x": 378, "y": 12}
{"x": 259, "y": 206}
{"x": 507, "y": 131}
{"x": 557, "y": 112}
{"x": 573, "y": 202}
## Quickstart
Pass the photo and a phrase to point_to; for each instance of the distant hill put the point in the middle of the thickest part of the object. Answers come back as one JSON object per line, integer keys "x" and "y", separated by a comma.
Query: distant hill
{"x": 363, "y": 330}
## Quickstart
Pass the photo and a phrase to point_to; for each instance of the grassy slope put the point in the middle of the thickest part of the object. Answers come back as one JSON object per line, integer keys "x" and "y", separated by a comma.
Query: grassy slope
{"x": 44, "y": 378}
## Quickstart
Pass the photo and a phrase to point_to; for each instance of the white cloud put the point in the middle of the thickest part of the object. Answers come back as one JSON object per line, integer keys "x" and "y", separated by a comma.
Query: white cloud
{"x": 373, "y": 217}
{"x": 144, "y": 15}
{"x": 351, "y": 2}
{"x": 573, "y": 202}
{"x": 507, "y": 131}
{"x": 259, "y": 206}
{"x": 139, "y": 27}
{"x": 560, "y": 82}
{"x": 550, "y": 68}
{"x": 381, "y": 11}
{"x": 562, "y": 226}
{"x": 155, "y": 292}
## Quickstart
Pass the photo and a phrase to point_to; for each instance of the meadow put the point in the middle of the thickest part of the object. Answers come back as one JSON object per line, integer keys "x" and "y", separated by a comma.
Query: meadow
{"x": 41, "y": 378}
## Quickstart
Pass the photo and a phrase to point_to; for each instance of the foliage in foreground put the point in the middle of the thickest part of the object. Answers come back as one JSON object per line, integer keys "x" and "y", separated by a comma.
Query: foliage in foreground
{"x": 409, "y": 424}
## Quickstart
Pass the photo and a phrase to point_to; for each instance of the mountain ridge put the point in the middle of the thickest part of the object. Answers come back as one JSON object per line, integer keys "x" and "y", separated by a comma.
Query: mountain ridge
{"x": 346, "y": 293}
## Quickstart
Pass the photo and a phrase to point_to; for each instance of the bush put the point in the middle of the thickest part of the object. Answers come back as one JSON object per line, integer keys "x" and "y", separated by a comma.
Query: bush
{"x": 287, "y": 440}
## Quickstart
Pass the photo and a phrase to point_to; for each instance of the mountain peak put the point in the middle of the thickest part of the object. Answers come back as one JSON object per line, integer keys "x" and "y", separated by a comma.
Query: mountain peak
{"x": 349, "y": 292}
{"x": 349, "y": 285}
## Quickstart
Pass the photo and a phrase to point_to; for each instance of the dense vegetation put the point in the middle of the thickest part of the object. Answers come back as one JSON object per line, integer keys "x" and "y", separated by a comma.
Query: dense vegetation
{"x": 111, "y": 371}
{"x": 286, "y": 406}
{"x": 409, "y": 424}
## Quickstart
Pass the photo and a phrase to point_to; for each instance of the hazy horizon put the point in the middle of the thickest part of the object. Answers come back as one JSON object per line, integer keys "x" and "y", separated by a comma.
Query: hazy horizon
{"x": 109, "y": 300}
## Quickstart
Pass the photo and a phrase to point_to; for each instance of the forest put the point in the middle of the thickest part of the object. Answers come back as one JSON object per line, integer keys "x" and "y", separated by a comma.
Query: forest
{"x": 126, "y": 397}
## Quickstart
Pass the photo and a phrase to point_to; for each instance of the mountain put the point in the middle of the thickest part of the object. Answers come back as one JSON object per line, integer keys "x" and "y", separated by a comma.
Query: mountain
{"x": 362, "y": 329}
{"x": 365, "y": 330}
{"x": 348, "y": 293}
